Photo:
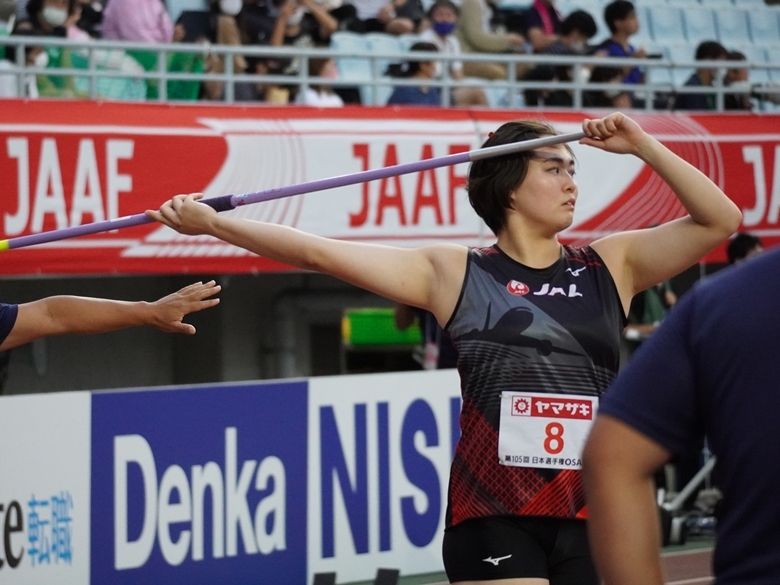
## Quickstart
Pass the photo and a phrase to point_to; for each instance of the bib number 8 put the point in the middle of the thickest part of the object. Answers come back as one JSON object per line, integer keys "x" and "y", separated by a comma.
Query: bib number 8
{"x": 553, "y": 442}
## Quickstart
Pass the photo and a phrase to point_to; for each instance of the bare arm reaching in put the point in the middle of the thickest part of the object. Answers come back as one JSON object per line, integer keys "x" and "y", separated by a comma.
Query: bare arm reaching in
{"x": 58, "y": 315}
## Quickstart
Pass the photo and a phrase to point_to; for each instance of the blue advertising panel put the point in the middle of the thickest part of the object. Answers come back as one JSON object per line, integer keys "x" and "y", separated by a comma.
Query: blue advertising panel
{"x": 200, "y": 485}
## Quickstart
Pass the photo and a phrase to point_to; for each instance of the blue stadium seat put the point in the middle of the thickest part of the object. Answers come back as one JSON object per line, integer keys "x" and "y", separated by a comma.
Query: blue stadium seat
{"x": 407, "y": 41}
{"x": 666, "y": 24}
{"x": 643, "y": 36}
{"x": 353, "y": 69}
{"x": 660, "y": 75}
{"x": 383, "y": 93}
{"x": 382, "y": 43}
{"x": 680, "y": 53}
{"x": 699, "y": 25}
{"x": 732, "y": 26}
{"x": 764, "y": 28}
{"x": 717, "y": 3}
{"x": 176, "y": 7}
{"x": 755, "y": 54}
{"x": 773, "y": 56}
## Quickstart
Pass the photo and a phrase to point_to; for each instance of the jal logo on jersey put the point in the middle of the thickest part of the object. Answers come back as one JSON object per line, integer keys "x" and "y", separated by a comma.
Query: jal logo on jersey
{"x": 517, "y": 288}
{"x": 520, "y": 289}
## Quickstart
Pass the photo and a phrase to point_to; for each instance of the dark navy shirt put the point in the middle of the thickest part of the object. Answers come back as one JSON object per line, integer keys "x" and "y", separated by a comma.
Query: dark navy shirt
{"x": 7, "y": 319}
{"x": 408, "y": 95}
{"x": 694, "y": 101}
{"x": 614, "y": 49}
{"x": 713, "y": 367}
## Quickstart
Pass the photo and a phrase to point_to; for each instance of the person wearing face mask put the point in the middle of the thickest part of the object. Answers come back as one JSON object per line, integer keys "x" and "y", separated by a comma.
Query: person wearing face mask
{"x": 145, "y": 21}
{"x": 57, "y": 18}
{"x": 321, "y": 96}
{"x": 443, "y": 17}
{"x": 48, "y": 16}
{"x": 576, "y": 30}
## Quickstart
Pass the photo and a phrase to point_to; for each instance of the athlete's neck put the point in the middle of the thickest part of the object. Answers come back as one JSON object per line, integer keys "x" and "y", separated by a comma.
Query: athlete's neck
{"x": 531, "y": 252}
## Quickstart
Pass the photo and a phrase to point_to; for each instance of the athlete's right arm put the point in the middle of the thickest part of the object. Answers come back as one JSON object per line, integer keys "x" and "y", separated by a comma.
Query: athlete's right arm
{"x": 429, "y": 277}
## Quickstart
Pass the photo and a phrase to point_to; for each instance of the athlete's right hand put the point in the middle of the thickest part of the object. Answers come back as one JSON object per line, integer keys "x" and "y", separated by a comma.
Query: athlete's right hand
{"x": 184, "y": 214}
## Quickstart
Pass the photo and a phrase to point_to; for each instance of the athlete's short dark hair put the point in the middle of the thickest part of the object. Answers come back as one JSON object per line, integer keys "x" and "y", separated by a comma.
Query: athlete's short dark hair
{"x": 617, "y": 10}
{"x": 741, "y": 246}
{"x": 492, "y": 180}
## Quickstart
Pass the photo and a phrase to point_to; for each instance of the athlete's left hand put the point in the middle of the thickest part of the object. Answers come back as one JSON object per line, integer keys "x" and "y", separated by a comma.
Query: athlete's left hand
{"x": 616, "y": 133}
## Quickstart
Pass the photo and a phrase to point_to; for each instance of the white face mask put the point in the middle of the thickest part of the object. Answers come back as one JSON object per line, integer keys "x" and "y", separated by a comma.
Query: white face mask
{"x": 230, "y": 7}
{"x": 296, "y": 17}
{"x": 54, "y": 16}
{"x": 584, "y": 75}
{"x": 41, "y": 60}
{"x": 438, "y": 70}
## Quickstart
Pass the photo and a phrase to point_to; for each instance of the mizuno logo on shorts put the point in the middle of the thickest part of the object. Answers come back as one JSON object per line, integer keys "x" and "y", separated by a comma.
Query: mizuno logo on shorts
{"x": 495, "y": 561}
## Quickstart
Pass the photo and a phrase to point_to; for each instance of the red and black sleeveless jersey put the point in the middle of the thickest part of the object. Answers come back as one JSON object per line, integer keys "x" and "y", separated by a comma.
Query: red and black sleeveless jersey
{"x": 556, "y": 330}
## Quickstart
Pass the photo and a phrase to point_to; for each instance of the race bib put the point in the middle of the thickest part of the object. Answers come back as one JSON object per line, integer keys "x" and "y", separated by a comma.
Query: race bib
{"x": 544, "y": 430}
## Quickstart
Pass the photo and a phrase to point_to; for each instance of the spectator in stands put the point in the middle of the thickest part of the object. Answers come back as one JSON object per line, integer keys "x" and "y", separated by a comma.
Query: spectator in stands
{"x": 48, "y": 16}
{"x": 623, "y": 23}
{"x": 743, "y": 246}
{"x": 145, "y": 21}
{"x": 73, "y": 32}
{"x": 443, "y": 18}
{"x": 303, "y": 24}
{"x": 397, "y": 17}
{"x": 475, "y": 36}
{"x": 702, "y": 77}
{"x": 542, "y": 24}
{"x": 224, "y": 31}
{"x": 737, "y": 77}
{"x": 321, "y": 95}
{"x": 413, "y": 95}
{"x": 576, "y": 30}
{"x": 607, "y": 98}
{"x": 57, "y": 18}
{"x": 34, "y": 56}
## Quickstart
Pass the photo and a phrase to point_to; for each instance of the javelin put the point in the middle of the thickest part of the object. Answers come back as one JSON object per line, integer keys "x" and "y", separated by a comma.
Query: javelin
{"x": 227, "y": 202}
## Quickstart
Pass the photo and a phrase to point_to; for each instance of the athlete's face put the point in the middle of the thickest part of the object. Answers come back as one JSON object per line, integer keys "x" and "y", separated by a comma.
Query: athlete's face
{"x": 548, "y": 194}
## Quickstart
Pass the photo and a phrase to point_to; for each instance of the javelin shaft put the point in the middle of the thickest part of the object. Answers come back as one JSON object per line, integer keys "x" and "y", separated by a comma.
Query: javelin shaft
{"x": 227, "y": 202}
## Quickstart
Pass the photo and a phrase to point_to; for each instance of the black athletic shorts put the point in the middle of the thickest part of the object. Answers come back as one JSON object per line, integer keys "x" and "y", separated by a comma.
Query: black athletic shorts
{"x": 515, "y": 547}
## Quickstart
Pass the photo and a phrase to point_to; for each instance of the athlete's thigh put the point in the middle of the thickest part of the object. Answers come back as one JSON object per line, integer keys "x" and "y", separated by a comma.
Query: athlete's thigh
{"x": 570, "y": 561}
{"x": 495, "y": 550}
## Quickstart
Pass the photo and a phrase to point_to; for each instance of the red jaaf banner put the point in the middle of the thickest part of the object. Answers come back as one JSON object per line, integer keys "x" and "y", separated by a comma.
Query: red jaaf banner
{"x": 70, "y": 163}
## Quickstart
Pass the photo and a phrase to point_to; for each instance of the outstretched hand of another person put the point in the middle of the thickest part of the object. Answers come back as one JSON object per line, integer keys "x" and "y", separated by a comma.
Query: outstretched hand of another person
{"x": 184, "y": 214}
{"x": 615, "y": 133}
{"x": 167, "y": 313}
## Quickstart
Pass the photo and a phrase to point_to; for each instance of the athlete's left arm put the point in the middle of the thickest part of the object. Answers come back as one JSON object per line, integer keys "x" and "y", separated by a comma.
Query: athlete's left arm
{"x": 618, "y": 467}
{"x": 642, "y": 258}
